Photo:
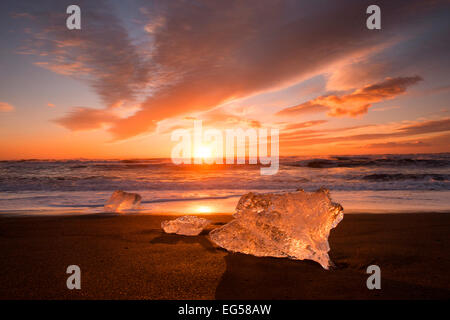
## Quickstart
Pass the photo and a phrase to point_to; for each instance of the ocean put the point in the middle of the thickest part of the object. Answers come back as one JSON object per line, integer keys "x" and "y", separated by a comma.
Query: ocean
{"x": 369, "y": 183}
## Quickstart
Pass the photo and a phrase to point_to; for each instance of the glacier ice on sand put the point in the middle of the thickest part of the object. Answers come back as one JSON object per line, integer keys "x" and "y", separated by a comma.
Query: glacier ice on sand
{"x": 294, "y": 225}
{"x": 121, "y": 200}
{"x": 186, "y": 225}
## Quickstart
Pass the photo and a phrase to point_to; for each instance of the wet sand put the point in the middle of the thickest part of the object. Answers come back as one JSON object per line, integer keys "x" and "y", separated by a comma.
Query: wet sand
{"x": 129, "y": 257}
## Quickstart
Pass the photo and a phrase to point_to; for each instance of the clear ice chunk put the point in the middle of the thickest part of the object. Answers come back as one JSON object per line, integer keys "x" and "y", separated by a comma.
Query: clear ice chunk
{"x": 294, "y": 225}
{"x": 186, "y": 225}
{"x": 121, "y": 200}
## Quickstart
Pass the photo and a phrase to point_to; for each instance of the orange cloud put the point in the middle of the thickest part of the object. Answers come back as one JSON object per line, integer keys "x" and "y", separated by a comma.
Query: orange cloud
{"x": 201, "y": 54}
{"x": 6, "y": 107}
{"x": 355, "y": 103}
{"x": 263, "y": 47}
{"x": 81, "y": 118}
{"x": 306, "y": 124}
{"x": 297, "y": 135}
{"x": 420, "y": 128}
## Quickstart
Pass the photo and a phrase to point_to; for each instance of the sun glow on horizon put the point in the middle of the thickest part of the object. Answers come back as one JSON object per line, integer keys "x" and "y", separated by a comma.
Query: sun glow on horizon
{"x": 203, "y": 209}
{"x": 203, "y": 152}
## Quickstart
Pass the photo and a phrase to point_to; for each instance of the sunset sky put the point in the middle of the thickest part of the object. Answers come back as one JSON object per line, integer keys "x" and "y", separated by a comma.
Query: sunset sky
{"x": 137, "y": 70}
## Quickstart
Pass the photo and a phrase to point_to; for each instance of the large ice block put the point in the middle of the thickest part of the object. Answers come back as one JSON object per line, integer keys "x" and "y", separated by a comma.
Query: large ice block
{"x": 121, "y": 200}
{"x": 294, "y": 225}
{"x": 186, "y": 225}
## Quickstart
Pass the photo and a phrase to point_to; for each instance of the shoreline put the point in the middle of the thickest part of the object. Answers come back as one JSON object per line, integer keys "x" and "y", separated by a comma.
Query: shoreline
{"x": 130, "y": 257}
{"x": 64, "y": 213}
{"x": 82, "y": 203}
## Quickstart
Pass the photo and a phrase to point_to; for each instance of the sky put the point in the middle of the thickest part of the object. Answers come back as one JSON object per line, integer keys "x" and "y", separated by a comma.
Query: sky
{"x": 138, "y": 70}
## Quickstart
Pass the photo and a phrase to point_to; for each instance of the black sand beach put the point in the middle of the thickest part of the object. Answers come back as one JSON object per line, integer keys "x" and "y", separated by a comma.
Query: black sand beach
{"x": 129, "y": 257}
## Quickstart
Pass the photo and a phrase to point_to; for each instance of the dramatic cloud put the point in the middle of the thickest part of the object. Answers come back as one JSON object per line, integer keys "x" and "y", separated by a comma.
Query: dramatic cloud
{"x": 6, "y": 107}
{"x": 102, "y": 53}
{"x": 221, "y": 51}
{"x": 355, "y": 103}
{"x": 201, "y": 54}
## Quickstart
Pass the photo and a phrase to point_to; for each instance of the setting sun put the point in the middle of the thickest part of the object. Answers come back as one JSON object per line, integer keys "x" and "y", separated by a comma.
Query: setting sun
{"x": 203, "y": 152}
{"x": 203, "y": 209}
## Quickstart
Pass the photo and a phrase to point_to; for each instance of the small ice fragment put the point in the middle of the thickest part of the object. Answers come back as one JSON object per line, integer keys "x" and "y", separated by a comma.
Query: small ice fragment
{"x": 121, "y": 200}
{"x": 295, "y": 225}
{"x": 186, "y": 225}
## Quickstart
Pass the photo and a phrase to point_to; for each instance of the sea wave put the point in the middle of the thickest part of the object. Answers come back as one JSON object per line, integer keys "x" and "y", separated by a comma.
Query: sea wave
{"x": 371, "y": 172}
{"x": 400, "y": 176}
{"x": 374, "y": 161}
